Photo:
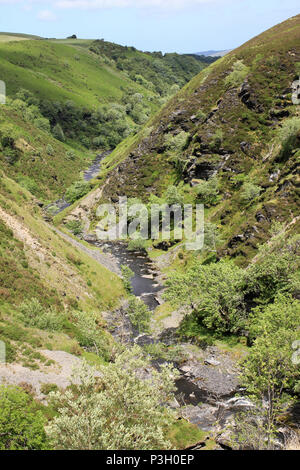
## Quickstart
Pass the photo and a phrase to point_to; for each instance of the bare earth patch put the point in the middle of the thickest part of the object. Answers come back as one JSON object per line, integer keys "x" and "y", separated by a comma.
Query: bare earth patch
{"x": 59, "y": 374}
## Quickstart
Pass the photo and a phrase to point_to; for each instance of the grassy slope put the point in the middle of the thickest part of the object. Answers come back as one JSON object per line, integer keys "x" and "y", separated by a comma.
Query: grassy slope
{"x": 37, "y": 263}
{"x": 46, "y": 176}
{"x": 59, "y": 72}
{"x": 272, "y": 60}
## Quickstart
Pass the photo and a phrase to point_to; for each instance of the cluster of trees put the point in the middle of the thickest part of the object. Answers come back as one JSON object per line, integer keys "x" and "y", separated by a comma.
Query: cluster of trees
{"x": 154, "y": 71}
{"x": 104, "y": 128}
{"x": 261, "y": 303}
{"x": 223, "y": 295}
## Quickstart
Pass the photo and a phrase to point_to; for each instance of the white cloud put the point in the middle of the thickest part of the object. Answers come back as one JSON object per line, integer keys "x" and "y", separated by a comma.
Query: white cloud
{"x": 165, "y": 4}
{"x": 92, "y": 4}
{"x": 46, "y": 15}
{"x": 101, "y": 4}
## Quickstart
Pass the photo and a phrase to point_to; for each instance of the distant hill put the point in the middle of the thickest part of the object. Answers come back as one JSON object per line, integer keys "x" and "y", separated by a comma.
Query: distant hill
{"x": 236, "y": 121}
{"x": 213, "y": 53}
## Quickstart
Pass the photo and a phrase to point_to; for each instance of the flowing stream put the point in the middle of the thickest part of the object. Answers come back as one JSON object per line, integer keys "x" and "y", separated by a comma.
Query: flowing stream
{"x": 146, "y": 286}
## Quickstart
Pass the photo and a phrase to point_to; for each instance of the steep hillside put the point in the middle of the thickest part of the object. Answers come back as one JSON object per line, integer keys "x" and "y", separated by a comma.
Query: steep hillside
{"x": 235, "y": 125}
{"x": 65, "y": 102}
{"x": 46, "y": 275}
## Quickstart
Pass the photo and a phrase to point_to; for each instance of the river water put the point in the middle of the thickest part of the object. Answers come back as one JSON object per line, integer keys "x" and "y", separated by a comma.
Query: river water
{"x": 144, "y": 282}
{"x": 146, "y": 286}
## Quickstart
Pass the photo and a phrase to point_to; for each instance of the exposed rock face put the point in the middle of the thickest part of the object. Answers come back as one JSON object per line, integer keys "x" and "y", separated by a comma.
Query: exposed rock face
{"x": 247, "y": 96}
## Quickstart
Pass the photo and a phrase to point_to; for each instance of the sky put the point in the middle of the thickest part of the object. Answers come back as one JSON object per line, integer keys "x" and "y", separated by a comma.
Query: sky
{"x": 152, "y": 25}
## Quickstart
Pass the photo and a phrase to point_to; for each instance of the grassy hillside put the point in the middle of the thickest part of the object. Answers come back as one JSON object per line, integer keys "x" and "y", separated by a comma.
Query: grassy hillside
{"x": 230, "y": 139}
{"x": 65, "y": 101}
{"x": 38, "y": 266}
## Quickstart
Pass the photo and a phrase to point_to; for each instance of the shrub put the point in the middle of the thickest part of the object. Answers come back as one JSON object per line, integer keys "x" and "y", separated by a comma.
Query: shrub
{"x": 139, "y": 315}
{"x": 208, "y": 191}
{"x": 77, "y": 191}
{"x": 108, "y": 412}
{"x": 176, "y": 143}
{"x": 90, "y": 335}
{"x": 276, "y": 270}
{"x": 216, "y": 140}
{"x": 213, "y": 292}
{"x": 75, "y": 226}
{"x": 288, "y": 136}
{"x": 127, "y": 275}
{"x": 21, "y": 425}
{"x": 238, "y": 74}
{"x": 35, "y": 315}
{"x": 50, "y": 150}
{"x": 58, "y": 133}
{"x": 42, "y": 124}
{"x": 71, "y": 155}
{"x": 268, "y": 371}
{"x": 137, "y": 245}
{"x": 250, "y": 192}
{"x": 172, "y": 196}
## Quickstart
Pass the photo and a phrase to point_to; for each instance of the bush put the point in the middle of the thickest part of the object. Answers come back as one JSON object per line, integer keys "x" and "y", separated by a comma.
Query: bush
{"x": 121, "y": 409}
{"x": 35, "y": 315}
{"x": 276, "y": 270}
{"x": 216, "y": 140}
{"x": 176, "y": 143}
{"x": 208, "y": 191}
{"x": 139, "y": 315}
{"x": 71, "y": 155}
{"x": 58, "y": 133}
{"x": 137, "y": 245}
{"x": 50, "y": 150}
{"x": 42, "y": 123}
{"x": 238, "y": 74}
{"x": 90, "y": 335}
{"x": 75, "y": 226}
{"x": 127, "y": 275}
{"x": 21, "y": 425}
{"x": 77, "y": 191}
{"x": 250, "y": 192}
{"x": 173, "y": 197}
{"x": 214, "y": 292}
{"x": 288, "y": 136}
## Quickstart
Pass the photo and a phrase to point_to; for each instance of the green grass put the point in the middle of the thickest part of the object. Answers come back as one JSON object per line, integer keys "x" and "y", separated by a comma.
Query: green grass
{"x": 184, "y": 434}
{"x": 46, "y": 176}
{"x": 269, "y": 68}
{"x": 57, "y": 71}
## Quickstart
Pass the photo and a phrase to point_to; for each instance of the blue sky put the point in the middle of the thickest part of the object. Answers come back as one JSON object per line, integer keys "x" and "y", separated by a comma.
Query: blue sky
{"x": 166, "y": 25}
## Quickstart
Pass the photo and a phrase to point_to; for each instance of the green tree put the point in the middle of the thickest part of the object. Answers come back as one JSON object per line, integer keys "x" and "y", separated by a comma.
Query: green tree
{"x": 21, "y": 425}
{"x": 250, "y": 192}
{"x": 208, "y": 191}
{"x": 58, "y": 133}
{"x": 77, "y": 191}
{"x": 173, "y": 196}
{"x": 213, "y": 292}
{"x": 90, "y": 335}
{"x": 139, "y": 315}
{"x": 115, "y": 408}
{"x": 127, "y": 275}
{"x": 268, "y": 370}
